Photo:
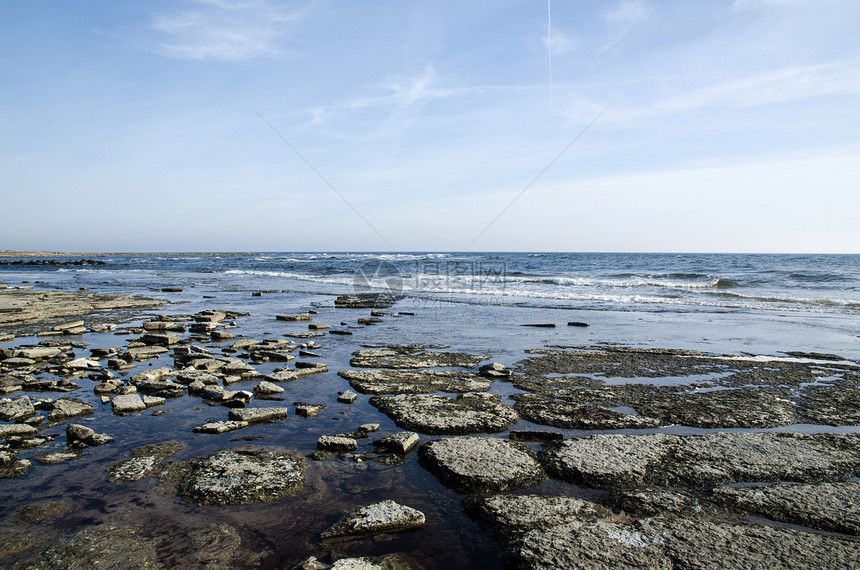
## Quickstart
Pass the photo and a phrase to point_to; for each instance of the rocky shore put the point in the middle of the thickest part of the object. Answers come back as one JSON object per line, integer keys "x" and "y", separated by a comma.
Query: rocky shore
{"x": 566, "y": 458}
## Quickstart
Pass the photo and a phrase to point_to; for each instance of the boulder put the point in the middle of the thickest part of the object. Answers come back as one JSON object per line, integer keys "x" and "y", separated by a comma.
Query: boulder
{"x": 17, "y": 409}
{"x": 65, "y": 408}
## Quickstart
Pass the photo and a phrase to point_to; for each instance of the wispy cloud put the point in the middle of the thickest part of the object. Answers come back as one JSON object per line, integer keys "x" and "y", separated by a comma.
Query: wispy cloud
{"x": 223, "y": 30}
{"x": 398, "y": 94}
{"x": 779, "y": 86}
{"x": 622, "y": 18}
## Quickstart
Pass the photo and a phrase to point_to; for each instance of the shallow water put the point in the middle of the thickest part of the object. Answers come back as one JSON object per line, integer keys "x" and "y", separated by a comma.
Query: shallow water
{"x": 284, "y": 532}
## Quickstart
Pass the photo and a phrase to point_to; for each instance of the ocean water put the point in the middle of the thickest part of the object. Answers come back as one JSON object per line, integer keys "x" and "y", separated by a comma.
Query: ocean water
{"x": 737, "y": 304}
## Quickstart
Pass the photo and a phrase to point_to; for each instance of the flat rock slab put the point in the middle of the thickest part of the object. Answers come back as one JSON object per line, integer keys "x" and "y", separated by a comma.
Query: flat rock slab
{"x": 256, "y": 415}
{"x": 830, "y": 405}
{"x": 243, "y": 475}
{"x": 56, "y": 457}
{"x": 378, "y": 518}
{"x": 509, "y": 516}
{"x": 481, "y": 464}
{"x": 221, "y": 426}
{"x": 65, "y": 408}
{"x": 426, "y": 359}
{"x": 336, "y": 443}
{"x": 679, "y": 543}
{"x": 7, "y": 430}
{"x": 127, "y": 404}
{"x": 547, "y": 411}
{"x": 16, "y": 409}
{"x": 399, "y": 443}
{"x": 735, "y": 408}
{"x": 414, "y": 382}
{"x": 145, "y": 462}
{"x": 441, "y": 415}
{"x": 831, "y": 507}
{"x": 635, "y": 461}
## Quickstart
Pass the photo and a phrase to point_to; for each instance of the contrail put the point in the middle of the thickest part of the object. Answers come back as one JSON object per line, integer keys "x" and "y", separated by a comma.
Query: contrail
{"x": 549, "y": 44}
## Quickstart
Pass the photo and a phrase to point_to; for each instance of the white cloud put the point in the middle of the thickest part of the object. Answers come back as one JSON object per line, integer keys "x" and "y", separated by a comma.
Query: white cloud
{"x": 627, "y": 13}
{"x": 622, "y": 18}
{"x": 560, "y": 43}
{"x": 782, "y": 85}
{"x": 223, "y": 30}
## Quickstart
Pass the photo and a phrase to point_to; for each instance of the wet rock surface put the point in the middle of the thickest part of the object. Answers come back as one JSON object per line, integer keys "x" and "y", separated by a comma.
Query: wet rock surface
{"x": 481, "y": 464}
{"x": 509, "y": 516}
{"x": 831, "y": 507}
{"x": 830, "y": 405}
{"x": 243, "y": 475}
{"x": 406, "y": 358}
{"x": 414, "y": 382}
{"x": 382, "y": 517}
{"x": 618, "y": 461}
{"x": 678, "y": 543}
{"x": 440, "y": 415}
{"x": 145, "y": 462}
{"x": 547, "y": 411}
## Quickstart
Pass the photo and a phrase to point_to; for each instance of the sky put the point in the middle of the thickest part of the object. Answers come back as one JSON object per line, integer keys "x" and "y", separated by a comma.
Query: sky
{"x": 498, "y": 125}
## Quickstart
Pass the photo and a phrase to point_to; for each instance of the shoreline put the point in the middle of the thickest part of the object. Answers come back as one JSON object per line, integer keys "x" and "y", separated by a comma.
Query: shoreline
{"x": 368, "y": 426}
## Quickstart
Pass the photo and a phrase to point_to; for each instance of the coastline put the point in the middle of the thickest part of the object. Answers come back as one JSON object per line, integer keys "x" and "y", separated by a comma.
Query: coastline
{"x": 528, "y": 418}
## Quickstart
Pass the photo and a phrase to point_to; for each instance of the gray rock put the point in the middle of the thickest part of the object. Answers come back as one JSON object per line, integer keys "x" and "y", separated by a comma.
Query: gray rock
{"x": 336, "y": 443}
{"x": 400, "y": 442}
{"x": 830, "y": 507}
{"x": 347, "y": 397}
{"x": 295, "y": 317}
{"x": 127, "y": 404}
{"x": 678, "y": 543}
{"x": 423, "y": 359}
{"x": 221, "y": 426}
{"x": 267, "y": 389}
{"x": 65, "y": 408}
{"x": 481, "y": 464}
{"x": 7, "y": 430}
{"x": 243, "y": 475}
{"x": 38, "y": 352}
{"x": 437, "y": 414}
{"x": 652, "y": 502}
{"x": 307, "y": 410}
{"x": 508, "y": 516}
{"x": 378, "y": 518}
{"x": 545, "y": 410}
{"x": 413, "y": 382}
{"x": 17, "y": 409}
{"x": 365, "y": 301}
{"x": 618, "y": 461}
{"x": 77, "y": 432}
{"x": 255, "y": 415}
{"x": 830, "y": 405}
{"x": 145, "y": 462}
{"x": 56, "y": 457}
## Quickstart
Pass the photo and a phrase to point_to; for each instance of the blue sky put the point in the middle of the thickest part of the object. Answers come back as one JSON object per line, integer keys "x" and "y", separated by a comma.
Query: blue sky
{"x": 721, "y": 125}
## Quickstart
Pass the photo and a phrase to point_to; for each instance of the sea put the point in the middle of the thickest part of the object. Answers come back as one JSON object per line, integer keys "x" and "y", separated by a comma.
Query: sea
{"x": 740, "y": 304}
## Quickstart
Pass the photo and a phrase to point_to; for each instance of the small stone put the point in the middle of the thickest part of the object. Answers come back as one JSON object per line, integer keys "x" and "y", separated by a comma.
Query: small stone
{"x": 68, "y": 408}
{"x": 127, "y": 404}
{"x": 221, "y": 426}
{"x": 336, "y": 443}
{"x": 307, "y": 410}
{"x": 378, "y": 518}
{"x": 267, "y": 389}
{"x": 77, "y": 432}
{"x": 347, "y": 397}
{"x": 255, "y": 415}
{"x": 399, "y": 443}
